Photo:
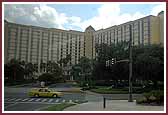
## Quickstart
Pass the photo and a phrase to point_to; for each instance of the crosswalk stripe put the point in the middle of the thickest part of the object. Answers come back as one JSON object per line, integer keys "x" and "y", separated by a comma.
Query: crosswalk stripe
{"x": 12, "y": 99}
{"x": 44, "y": 100}
{"x": 6, "y": 99}
{"x": 57, "y": 100}
{"x": 50, "y": 100}
{"x": 31, "y": 100}
{"x": 25, "y": 99}
{"x": 18, "y": 99}
{"x": 63, "y": 101}
{"x": 37, "y": 99}
{"x": 9, "y": 99}
{"x": 70, "y": 101}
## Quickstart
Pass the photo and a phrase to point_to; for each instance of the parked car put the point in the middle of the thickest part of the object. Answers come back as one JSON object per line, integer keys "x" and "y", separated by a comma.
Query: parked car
{"x": 44, "y": 92}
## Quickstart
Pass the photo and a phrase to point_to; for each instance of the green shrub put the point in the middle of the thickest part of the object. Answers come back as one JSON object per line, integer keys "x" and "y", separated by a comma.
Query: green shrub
{"x": 107, "y": 90}
{"x": 50, "y": 78}
{"x": 155, "y": 96}
{"x": 159, "y": 94}
{"x": 141, "y": 100}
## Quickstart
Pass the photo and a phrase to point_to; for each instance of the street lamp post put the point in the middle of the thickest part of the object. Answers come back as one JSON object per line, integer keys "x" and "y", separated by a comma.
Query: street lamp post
{"x": 113, "y": 61}
{"x": 130, "y": 66}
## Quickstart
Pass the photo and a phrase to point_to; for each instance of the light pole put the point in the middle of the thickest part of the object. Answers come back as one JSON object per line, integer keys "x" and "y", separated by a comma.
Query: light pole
{"x": 130, "y": 66}
{"x": 113, "y": 61}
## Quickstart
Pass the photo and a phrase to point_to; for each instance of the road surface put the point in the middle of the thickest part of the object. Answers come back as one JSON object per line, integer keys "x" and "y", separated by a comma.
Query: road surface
{"x": 16, "y": 98}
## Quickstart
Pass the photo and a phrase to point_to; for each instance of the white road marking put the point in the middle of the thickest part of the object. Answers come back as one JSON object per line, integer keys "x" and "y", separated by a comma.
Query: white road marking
{"x": 37, "y": 99}
{"x": 57, "y": 100}
{"x": 44, "y": 100}
{"x": 12, "y": 99}
{"x": 18, "y": 99}
{"x": 50, "y": 100}
{"x": 63, "y": 101}
{"x": 25, "y": 99}
{"x": 31, "y": 100}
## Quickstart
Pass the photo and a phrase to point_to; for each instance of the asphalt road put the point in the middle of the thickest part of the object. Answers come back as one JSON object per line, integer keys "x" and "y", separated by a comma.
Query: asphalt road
{"x": 16, "y": 98}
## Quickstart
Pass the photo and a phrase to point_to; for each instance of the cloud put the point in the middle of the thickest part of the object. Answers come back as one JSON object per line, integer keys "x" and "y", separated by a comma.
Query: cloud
{"x": 109, "y": 15}
{"x": 158, "y": 8}
{"x": 45, "y": 16}
{"x": 38, "y": 15}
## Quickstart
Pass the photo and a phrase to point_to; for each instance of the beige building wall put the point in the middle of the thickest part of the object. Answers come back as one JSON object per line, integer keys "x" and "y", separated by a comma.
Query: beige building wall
{"x": 161, "y": 24}
{"x": 89, "y": 43}
{"x": 36, "y": 44}
{"x": 155, "y": 32}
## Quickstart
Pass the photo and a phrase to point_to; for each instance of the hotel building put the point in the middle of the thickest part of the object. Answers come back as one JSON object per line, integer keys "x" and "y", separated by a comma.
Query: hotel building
{"x": 35, "y": 44}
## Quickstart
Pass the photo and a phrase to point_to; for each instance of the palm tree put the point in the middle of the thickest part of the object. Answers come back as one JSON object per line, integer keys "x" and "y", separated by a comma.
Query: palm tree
{"x": 29, "y": 69}
{"x": 16, "y": 71}
{"x": 86, "y": 67}
{"x": 64, "y": 61}
{"x": 49, "y": 67}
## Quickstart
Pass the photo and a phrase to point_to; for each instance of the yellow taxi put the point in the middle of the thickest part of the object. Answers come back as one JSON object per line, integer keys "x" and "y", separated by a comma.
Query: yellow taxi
{"x": 44, "y": 92}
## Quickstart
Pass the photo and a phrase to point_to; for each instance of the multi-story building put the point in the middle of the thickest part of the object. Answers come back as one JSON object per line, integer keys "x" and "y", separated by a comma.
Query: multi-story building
{"x": 36, "y": 44}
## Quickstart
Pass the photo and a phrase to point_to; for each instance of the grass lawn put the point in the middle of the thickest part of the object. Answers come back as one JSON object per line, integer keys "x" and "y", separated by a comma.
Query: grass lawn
{"x": 110, "y": 91}
{"x": 58, "y": 107}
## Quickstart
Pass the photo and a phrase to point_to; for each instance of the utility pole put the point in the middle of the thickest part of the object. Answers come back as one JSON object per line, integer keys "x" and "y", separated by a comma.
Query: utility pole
{"x": 130, "y": 66}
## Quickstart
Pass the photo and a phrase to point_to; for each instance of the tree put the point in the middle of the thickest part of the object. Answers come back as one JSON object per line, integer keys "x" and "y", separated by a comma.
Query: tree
{"x": 107, "y": 52}
{"x": 148, "y": 62}
{"x": 86, "y": 68}
{"x": 54, "y": 68}
{"x": 47, "y": 77}
{"x": 29, "y": 69}
{"x": 54, "y": 73}
{"x": 63, "y": 62}
{"x": 15, "y": 70}
{"x": 75, "y": 72}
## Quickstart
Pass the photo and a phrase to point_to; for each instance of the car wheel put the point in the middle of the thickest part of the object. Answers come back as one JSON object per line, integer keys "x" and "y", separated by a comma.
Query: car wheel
{"x": 36, "y": 95}
{"x": 55, "y": 95}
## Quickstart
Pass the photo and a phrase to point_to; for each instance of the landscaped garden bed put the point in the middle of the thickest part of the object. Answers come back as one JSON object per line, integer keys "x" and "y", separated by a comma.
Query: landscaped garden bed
{"x": 155, "y": 97}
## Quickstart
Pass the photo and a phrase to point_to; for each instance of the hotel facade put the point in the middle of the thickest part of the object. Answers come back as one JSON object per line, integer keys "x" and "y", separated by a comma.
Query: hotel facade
{"x": 35, "y": 44}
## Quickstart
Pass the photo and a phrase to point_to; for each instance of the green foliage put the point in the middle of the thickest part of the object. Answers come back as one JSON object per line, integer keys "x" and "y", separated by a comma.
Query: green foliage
{"x": 50, "y": 78}
{"x": 18, "y": 71}
{"x": 85, "y": 64}
{"x": 65, "y": 60}
{"x": 53, "y": 67}
{"x": 83, "y": 70}
{"x": 76, "y": 69}
{"x": 14, "y": 71}
{"x": 106, "y": 52}
{"x": 148, "y": 63}
{"x": 46, "y": 77}
{"x": 155, "y": 97}
{"x": 29, "y": 69}
{"x": 108, "y": 90}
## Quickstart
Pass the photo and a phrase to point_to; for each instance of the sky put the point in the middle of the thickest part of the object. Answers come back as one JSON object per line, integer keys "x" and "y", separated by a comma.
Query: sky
{"x": 79, "y": 16}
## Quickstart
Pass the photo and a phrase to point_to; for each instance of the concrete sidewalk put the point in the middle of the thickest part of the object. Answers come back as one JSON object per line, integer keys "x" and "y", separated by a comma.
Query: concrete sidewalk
{"x": 113, "y": 105}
